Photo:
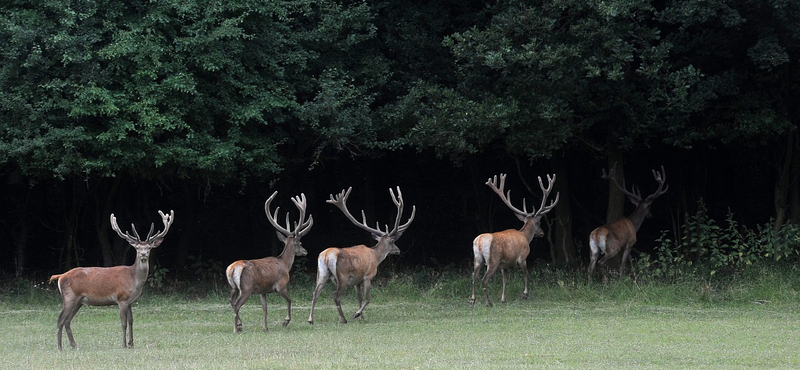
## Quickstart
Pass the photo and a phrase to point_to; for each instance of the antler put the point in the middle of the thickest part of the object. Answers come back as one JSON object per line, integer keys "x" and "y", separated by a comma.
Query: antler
{"x": 135, "y": 238}
{"x": 167, "y": 221}
{"x": 301, "y": 227}
{"x": 661, "y": 178}
{"x": 524, "y": 212}
{"x": 340, "y": 200}
{"x": 545, "y": 193}
{"x": 398, "y": 202}
{"x": 636, "y": 195}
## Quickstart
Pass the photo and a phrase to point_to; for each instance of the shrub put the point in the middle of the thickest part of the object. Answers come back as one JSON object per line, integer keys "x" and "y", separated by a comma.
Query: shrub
{"x": 706, "y": 247}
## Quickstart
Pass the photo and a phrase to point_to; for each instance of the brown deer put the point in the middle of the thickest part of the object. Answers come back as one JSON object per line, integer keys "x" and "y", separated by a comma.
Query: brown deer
{"x": 357, "y": 265}
{"x": 511, "y": 247}
{"x": 105, "y": 286}
{"x": 620, "y": 234}
{"x": 270, "y": 274}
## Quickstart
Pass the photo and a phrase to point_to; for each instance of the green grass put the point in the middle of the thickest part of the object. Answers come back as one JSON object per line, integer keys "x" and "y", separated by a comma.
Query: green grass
{"x": 422, "y": 320}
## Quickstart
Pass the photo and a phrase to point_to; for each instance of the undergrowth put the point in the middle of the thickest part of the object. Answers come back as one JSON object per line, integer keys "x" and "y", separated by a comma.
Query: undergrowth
{"x": 760, "y": 283}
{"x": 707, "y": 262}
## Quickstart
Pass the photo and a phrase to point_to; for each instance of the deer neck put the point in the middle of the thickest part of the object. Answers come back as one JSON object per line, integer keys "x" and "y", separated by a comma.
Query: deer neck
{"x": 381, "y": 250}
{"x": 638, "y": 215}
{"x": 140, "y": 270}
{"x": 528, "y": 229}
{"x": 287, "y": 256}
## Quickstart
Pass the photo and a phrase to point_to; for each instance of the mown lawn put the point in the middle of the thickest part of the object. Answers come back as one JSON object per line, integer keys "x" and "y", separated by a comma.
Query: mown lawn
{"x": 618, "y": 325}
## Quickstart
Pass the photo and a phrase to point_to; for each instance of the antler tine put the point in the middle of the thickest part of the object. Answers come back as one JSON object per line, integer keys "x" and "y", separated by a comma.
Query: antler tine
{"x": 661, "y": 178}
{"x": 405, "y": 226}
{"x": 126, "y": 235}
{"x": 546, "y": 193}
{"x": 340, "y": 201}
{"x": 289, "y": 224}
{"x": 167, "y": 220}
{"x": 303, "y": 225}
{"x": 150, "y": 233}
{"x": 635, "y": 194}
{"x": 136, "y": 234}
{"x": 400, "y": 203}
{"x": 273, "y": 217}
{"x": 507, "y": 197}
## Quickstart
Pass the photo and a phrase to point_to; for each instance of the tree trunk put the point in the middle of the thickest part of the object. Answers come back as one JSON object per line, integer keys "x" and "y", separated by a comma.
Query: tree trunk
{"x": 103, "y": 210}
{"x": 784, "y": 182}
{"x": 616, "y": 199}
{"x": 20, "y": 232}
{"x": 563, "y": 247}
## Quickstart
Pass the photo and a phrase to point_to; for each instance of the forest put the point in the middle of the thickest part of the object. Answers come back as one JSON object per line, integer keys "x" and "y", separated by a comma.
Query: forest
{"x": 208, "y": 107}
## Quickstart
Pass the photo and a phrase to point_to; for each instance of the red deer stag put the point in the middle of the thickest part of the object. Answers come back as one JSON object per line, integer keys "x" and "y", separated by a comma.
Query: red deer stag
{"x": 511, "y": 247}
{"x": 270, "y": 274}
{"x": 105, "y": 286}
{"x": 620, "y": 234}
{"x": 357, "y": 265}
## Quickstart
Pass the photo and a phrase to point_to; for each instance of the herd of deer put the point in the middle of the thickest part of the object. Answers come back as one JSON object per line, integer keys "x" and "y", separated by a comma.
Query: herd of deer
{"x": 347, "y": 267}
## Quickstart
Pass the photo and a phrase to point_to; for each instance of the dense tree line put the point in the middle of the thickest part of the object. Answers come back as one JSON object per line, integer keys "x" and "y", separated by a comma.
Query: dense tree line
{"x": 207, "y": 107}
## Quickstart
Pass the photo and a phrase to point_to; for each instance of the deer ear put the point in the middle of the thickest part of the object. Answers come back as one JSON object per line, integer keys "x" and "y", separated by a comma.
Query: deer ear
{"x": 520, "y": 217}
{"x": 377, "y": 237}
{"x": 157, "y": 242}
{"x": 281, "y": 237}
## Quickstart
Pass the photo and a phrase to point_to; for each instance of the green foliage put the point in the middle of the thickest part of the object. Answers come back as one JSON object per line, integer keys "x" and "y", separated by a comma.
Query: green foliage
{"x": 204, "y": 269}
{"x": 196, "y": 89}
{"x": 158, "y": 277}
{"x": 728, "y": 248}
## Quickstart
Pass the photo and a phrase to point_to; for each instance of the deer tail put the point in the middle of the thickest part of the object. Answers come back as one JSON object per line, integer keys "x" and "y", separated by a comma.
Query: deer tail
{"x": 234, "y": 274}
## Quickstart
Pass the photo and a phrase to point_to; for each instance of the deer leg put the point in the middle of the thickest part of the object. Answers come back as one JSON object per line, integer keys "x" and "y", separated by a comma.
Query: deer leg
{"x": 476, "y": 269}
{"x": 236, "y": 304}
{"x": 322, "y": 277}
{"x": 489, "y": 272}
{"x": 524, "y": 266}
{"x": 625, "y": 256}
{"x": 337, "y": 299}
{"x": 64, "y": 320}
{"x": 123, "y": 318}
{"x": 360, "y": 311}
{"x": 505, "y": 281}
{"x": 358, "y": 288}
{"x": 264, "y": 308}
{"x": 285, "y": 294}
{"x": 317, "y": 291}
{"x": 592, "y": 263}
{"x": 130, "y": 325}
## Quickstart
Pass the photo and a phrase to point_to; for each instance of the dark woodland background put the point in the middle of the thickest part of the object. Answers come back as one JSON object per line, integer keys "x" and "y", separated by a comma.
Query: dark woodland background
{"x": 206, "y": 108}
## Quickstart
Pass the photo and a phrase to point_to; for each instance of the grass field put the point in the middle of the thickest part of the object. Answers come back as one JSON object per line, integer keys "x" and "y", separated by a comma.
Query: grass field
{"x": 621, "y": 324}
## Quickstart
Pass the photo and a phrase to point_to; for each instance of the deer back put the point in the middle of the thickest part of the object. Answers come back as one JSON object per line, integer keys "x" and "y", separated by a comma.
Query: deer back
{"x": 360, "y": 261}
{"x": 100, "y": 285}
{"x": 615, "y": 235}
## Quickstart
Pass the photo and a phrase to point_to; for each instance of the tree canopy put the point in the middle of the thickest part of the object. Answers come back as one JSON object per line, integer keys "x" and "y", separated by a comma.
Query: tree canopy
{"x": 188, "y": 96}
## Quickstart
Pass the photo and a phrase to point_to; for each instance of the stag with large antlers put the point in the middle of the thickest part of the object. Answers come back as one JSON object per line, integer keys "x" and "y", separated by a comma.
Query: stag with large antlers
{"x": 106, "y": 286}
{"x": 357, "y": 265}
{"x": 511, "y": 247}
{"x": 620, "y": 234}
{"x": 270, "y": 274}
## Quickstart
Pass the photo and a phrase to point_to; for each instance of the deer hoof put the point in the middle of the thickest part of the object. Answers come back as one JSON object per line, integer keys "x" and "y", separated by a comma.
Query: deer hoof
{"x": 286, "y": 323}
